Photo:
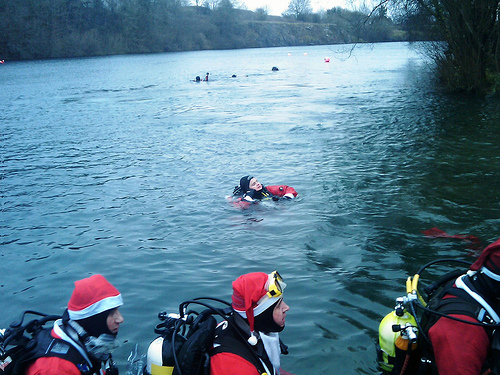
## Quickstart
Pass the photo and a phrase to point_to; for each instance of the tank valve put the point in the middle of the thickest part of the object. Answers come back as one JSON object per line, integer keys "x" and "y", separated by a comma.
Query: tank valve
{"x": 400, "y": 308}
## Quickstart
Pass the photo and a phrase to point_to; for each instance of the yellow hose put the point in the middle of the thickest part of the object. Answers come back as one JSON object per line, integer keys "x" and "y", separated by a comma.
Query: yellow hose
{"x": 415, "y": 282}
{"x": 414, "y": 289}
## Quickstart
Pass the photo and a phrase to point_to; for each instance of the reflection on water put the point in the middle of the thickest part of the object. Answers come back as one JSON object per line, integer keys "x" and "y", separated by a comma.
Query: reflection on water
{"x": 121, "y": 165}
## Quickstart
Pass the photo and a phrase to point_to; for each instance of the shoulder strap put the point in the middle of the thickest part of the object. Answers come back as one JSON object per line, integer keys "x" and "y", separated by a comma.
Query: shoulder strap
{"x": 461, "y": 302}
{"x": 48, "y": 346}
{"x": 466, "y": 305}
{"x": 227, "y": 340}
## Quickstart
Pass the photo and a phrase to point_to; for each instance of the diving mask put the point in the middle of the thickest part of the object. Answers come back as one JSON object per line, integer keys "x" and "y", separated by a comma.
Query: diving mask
{"x": 276, "y": 285}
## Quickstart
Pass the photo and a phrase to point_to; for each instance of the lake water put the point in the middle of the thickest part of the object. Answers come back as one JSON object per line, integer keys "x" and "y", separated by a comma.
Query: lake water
{"x": 121, "y": 165}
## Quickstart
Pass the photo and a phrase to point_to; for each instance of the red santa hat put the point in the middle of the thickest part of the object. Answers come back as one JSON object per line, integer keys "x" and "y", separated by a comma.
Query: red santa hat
{"x": 489, "y": 261}
{"x": 253, "y": 293}
{"x": 92, "y": 296}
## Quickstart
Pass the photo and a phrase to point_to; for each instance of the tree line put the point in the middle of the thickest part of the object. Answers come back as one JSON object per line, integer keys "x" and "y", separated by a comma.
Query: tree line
{"x": 465, "y": 34}
{"x": 39, "y": 29}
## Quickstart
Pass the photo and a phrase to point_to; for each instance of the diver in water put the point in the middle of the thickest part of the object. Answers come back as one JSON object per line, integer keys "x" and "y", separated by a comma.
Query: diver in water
{"x": 81, "y": 342}
{"x": 248, "y": 343}
{"x": 251, "y": 190}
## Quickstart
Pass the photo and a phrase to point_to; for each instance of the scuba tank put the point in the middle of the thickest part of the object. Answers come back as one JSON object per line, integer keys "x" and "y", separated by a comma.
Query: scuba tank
{"x": 160, "y": 356}
{"x": 155, "y": 364}
{"x": 184, "y": 339}
{"x": 397, "y": 339}
{"x": 398, "y": 333}
{"x": 397, "y": 351}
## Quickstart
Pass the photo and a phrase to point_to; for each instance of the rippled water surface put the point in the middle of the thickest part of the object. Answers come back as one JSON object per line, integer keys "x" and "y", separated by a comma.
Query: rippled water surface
{"x": 121, "y": 165}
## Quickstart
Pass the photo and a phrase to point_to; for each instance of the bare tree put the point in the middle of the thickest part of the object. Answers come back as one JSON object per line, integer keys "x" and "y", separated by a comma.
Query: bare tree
{"x": 298, "y": 8}
{"x": 262, "y": 13}
{"x": 210, "y": 4}
{"x": 468, "y": 54}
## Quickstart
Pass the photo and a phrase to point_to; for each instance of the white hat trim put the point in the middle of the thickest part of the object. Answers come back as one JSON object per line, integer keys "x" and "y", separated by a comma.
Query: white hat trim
{"x": 96, "y": 308}
{"x": 265, "y": 304}
{"x": 259, "y": 309}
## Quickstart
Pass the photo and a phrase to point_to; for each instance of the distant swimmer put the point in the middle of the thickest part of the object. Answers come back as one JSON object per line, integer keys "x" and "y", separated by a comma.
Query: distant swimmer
{"x": 198, "y": 79}
{"x": 275, "y": 69}
{"x": 206, "y": 77}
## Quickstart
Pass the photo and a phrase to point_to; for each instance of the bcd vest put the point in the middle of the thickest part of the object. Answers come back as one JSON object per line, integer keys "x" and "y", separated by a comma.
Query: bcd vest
{"x": 463, "y": 304}
{"x": 48, "y": 346}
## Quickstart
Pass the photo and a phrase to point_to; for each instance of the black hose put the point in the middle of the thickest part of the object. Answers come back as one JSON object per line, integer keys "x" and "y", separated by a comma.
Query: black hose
{"x": 420, "y": 330}
{"x": 217, "y": 311}
{"x": 442, "y": 261}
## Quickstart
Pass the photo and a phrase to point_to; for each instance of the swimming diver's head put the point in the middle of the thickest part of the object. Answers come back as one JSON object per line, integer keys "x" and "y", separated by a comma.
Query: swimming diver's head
{"x": 250, "y": 183}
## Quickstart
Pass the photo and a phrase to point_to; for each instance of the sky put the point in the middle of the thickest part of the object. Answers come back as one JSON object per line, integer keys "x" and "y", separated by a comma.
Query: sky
{"x": 277, "y": 7}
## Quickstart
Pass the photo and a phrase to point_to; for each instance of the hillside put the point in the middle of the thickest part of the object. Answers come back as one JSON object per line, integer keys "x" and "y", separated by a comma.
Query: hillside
{"x": 51, "y": 29}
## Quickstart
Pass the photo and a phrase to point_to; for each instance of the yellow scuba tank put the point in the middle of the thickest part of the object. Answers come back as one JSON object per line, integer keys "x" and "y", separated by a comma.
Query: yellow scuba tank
{"x": 154, "y": 365}
{"x": 160, "y": 357}
{"x": 394, "y": 341}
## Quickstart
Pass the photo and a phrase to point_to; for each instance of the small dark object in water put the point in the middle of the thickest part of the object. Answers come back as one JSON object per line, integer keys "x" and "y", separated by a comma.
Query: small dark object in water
{"x": 275, "y": 69}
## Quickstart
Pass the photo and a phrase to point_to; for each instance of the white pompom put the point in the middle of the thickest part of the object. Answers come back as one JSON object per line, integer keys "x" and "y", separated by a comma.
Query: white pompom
{"x": 252, "y": 340}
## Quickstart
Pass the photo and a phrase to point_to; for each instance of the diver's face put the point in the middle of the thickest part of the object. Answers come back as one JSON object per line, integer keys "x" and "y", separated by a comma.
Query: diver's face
{"x": 255, "y": 185}
{"x": 279, "y": 313}
{"x": 114, "y": 320}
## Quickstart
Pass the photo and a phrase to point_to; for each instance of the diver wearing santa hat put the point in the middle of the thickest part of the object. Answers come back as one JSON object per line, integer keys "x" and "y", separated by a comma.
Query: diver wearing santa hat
{"x": 82, "y": 341}
{"x": 248, "y": 342}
